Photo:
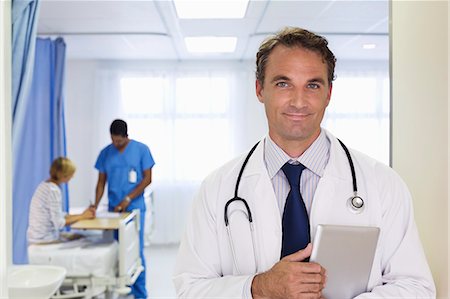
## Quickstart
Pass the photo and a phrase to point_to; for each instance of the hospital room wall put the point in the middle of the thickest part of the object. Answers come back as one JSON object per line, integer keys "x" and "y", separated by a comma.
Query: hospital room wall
{"x": 83, "y": 124}
{"x": 5, "y": 143}
{"x": 420, "y": 128}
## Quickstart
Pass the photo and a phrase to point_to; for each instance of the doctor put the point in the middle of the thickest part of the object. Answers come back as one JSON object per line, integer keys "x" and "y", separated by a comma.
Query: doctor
{"x": 261, "y": 255}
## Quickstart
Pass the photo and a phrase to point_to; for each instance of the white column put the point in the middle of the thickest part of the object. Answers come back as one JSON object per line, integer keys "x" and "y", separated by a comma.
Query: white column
{"x": 420, "y": 131}
{"x": 5, "y": 144}
{"x": 448, "y": 147}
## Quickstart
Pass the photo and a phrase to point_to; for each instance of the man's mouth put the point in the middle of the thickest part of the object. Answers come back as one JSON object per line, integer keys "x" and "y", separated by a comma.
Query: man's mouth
{"x": 296, "y": 116}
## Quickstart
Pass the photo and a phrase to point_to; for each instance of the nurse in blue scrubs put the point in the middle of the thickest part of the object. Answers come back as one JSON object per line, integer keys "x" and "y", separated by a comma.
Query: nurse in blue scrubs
{"x": 126, "y": 165}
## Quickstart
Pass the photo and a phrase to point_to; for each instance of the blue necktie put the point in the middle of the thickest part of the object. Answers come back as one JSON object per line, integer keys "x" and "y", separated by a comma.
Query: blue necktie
{"x": 295, "y": 216}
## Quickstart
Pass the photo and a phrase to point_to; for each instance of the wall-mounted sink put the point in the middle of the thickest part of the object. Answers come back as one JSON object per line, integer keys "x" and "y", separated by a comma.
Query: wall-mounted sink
{"x": 34, "y": 281}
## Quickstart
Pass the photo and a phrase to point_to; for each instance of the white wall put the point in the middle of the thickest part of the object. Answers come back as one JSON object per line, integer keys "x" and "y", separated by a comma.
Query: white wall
{"x": 82, "y": 123}
{"x": 5, "y": 144}
{"x": 420, "y": 121}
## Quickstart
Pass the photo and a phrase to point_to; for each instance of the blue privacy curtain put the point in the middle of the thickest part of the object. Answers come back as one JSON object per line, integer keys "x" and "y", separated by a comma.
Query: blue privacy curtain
{"x": 24, "y": 23}
{"x": 41, "y": 138}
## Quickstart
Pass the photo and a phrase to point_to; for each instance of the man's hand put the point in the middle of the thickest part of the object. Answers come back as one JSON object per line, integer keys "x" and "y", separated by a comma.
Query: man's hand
{"x": 291, "y": 278}
{"x": 122, "y": 206}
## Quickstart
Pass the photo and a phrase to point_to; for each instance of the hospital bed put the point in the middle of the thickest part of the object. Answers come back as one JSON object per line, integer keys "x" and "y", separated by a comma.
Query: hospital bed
{"x": 97, "y": 263}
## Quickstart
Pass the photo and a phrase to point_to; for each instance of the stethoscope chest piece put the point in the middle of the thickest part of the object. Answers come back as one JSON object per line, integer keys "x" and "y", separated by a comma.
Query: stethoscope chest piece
{"x": 356, "y": 204}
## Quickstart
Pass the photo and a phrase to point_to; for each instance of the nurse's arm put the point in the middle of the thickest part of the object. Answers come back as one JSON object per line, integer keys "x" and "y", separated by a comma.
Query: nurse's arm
{"x": 100, "y": 188}
{"x": 291, "y": 278}
{"x": 146, "y": 180}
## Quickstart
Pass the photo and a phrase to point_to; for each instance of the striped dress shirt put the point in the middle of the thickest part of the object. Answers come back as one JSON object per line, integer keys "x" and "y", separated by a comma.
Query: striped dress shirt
{"x": 315, "y": 158}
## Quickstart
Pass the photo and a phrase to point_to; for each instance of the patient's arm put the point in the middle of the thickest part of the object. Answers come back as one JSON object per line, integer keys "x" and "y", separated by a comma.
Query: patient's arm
{"x": 89, "y": 213}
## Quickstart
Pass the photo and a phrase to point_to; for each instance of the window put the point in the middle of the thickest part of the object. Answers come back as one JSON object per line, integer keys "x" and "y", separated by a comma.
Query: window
{"x": 358, "y": 113}
{"x": 197, "y": 114}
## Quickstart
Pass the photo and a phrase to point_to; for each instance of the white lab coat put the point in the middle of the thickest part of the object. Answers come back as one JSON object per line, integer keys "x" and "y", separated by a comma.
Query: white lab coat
{"x": 204, "y": 267}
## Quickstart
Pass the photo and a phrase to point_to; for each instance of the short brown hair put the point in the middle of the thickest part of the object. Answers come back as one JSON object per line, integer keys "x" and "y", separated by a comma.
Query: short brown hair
{"x": 62, "y": 167}
{"x": 290, "y": 37}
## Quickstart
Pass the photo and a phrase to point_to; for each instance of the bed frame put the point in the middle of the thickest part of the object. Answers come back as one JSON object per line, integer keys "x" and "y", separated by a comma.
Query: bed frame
{"x": 127, "y": 227}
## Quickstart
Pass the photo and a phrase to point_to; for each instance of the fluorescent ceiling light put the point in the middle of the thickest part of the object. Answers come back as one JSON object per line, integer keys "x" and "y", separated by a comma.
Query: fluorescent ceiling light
{"x": 369, "y": 46}
{"x": 210, "y": 44}
{"x": 211, "y": 9}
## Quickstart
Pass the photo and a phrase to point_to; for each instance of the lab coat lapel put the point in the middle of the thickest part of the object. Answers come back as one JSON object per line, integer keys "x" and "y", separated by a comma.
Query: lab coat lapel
{"x": 257, "y": 187}
{"x": 334, "y": 189}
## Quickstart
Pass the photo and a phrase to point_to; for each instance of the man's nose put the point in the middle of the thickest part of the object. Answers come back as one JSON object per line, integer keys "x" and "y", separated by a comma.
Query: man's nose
{"x": 298, "y": 98}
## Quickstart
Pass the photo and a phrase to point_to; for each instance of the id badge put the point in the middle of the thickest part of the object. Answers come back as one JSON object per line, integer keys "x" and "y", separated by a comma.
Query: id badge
{"x": 132, "y": 176}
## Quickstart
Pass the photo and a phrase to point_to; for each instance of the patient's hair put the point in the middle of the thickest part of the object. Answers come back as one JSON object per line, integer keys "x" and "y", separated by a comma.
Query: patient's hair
{"x": 295, "y": 37}
{"x": 62, "y": 167}
{"x": 119, "y": 127}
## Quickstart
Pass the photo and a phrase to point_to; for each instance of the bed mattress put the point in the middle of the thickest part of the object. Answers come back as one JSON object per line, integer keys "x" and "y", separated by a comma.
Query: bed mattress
{"x": 83, "y": 257}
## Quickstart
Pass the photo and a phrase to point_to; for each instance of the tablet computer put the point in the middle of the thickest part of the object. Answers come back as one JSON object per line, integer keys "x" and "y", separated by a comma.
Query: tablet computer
{"x": 347, "y": 253}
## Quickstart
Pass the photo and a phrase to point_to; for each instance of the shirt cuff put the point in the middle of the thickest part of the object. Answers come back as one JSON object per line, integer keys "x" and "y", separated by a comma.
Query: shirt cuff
{"x": 247, "y": 292}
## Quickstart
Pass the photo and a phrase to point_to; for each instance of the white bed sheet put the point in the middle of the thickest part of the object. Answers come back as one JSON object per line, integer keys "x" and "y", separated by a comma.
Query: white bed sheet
{"x": 83, "y": 257}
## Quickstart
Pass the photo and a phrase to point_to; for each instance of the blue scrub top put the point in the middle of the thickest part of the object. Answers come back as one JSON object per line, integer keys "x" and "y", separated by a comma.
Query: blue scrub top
{"x": 117, "y": 166}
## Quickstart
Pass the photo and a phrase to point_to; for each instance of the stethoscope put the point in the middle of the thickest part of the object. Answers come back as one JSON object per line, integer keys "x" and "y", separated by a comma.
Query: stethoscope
{"x": 355, "y": 203}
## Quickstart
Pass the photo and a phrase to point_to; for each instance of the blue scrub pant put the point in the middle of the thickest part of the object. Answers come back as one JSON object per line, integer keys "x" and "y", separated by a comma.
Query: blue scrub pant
{"x": 138, "y": 289}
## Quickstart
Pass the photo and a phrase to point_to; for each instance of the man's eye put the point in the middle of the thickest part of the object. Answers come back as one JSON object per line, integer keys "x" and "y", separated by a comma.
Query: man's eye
{"x": 282, "y": 84}
{"x": 313, "y": 85}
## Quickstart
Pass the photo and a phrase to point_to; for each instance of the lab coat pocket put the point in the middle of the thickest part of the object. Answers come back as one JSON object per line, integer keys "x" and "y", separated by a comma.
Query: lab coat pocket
{"x": 241, "y": 236}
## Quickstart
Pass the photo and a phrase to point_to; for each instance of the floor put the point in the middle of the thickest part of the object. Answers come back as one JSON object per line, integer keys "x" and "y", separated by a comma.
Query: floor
{"x": 160, "y": 263}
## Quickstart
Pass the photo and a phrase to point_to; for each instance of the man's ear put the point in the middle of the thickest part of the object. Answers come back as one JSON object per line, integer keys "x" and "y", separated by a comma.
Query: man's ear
{"x": 259, "y": 90}
{"x": 329, "y": 93}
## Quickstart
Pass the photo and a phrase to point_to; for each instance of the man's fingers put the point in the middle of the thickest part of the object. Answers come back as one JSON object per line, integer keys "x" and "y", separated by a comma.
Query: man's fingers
{"x": 313, "y": 278}
{"x": 290, "y": 278}
{"x": 299, "y": 255}
{"x": 313, "y": 288}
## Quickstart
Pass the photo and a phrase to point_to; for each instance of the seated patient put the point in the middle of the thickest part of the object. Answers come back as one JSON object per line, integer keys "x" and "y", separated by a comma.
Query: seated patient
{"x": 46, "y": 217}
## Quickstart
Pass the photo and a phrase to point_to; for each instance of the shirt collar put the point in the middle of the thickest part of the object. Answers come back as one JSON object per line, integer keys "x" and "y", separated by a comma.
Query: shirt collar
{"x": 315, "y": 158}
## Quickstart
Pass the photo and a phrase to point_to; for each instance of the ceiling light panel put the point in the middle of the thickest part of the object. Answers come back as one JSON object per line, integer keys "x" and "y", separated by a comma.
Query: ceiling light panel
{"x": 369, "y": 46}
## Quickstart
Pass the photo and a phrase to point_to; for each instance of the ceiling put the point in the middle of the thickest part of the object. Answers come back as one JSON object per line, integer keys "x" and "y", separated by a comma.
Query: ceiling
{"x": 152, "y": 30}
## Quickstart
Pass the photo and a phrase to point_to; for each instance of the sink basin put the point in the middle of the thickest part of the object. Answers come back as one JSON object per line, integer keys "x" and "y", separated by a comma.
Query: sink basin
{"x": 34, "y": 281}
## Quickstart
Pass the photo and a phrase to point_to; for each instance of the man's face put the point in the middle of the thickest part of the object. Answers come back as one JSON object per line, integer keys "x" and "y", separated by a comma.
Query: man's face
{"x": 119, "y": 141}
{"x": 295, "y": 93}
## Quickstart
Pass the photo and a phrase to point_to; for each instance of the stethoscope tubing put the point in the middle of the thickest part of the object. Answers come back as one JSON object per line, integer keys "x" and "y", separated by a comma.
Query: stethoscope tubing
{"x": 352, "y": 167}
{"x": 236, "y": 190}
{"x": 249, "y": 213}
